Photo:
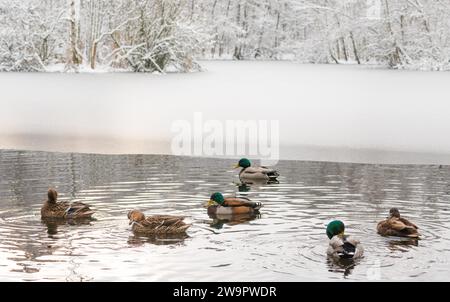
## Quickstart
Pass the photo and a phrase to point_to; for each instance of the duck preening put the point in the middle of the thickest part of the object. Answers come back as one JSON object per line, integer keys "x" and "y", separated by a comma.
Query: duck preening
{"x": 157, "y": 224}
{"x": 395, "y": 225}
{"x": 249, "y": 172}
{"x": 342, "y": 246}
{"x": 66, "y": 210}
{"x": 218, "y": 204}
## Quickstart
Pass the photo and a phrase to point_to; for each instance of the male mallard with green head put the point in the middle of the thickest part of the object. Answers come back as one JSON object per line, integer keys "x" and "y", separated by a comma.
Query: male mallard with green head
{"x": 395, "y": 225}
{"x": 342, "y": 246}
{"x": 218, "y": 204}
{"x": 249, "y": 172}
{"x": 66, "y": 210}
{"x": 157, "y": 224}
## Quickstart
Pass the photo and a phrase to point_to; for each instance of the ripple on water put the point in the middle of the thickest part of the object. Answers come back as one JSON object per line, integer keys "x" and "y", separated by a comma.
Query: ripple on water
{"x": 286, "y": 242}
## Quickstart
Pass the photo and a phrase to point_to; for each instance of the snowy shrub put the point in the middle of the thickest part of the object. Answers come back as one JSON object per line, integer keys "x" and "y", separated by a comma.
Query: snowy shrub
{"x": 170, "y": 35}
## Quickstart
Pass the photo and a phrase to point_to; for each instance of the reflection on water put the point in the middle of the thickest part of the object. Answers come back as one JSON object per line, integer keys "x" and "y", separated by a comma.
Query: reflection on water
{"x": 286, "y": 243}
{"x": 53, "y": 223}
{"x": 157, "y": 239}
{"x": 402, "y": 245}
{"x": 342, "y": 266}
{"x": 218, "y": 220}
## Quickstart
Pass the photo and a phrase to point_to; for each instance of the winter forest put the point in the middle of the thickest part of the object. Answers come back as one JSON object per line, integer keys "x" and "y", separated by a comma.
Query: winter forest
{"x": 174, "y": 35}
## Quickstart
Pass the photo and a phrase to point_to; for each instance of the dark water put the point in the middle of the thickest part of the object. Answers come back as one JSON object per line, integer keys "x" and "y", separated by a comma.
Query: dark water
{"x": 287, "y": 243}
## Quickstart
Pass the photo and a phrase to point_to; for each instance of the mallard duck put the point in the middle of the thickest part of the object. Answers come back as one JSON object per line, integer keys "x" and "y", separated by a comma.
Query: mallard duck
{"x": 342, "y": 246}
{"x": 395, "y": 225}
{"x": 255, "y": 173}
{"x": 157, "y": 224}
{"x": 231, "y": 205}
{"x": 66, "y": 210}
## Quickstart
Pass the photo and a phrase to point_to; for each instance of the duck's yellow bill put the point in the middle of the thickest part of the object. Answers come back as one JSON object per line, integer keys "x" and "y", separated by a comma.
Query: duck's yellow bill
{"x": 236, "y": 166}
{"x": 210, "y": 203}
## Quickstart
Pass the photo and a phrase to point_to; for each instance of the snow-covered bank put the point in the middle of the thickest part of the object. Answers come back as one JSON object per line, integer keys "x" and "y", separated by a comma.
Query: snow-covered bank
{"x": 330, "y": 107}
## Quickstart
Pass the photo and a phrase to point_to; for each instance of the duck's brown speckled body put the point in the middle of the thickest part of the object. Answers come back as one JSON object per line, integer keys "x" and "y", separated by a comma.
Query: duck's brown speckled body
{"x": 395, "y": 225}
{"x": 64, "y": 210}
{"x": 157, "y": 224}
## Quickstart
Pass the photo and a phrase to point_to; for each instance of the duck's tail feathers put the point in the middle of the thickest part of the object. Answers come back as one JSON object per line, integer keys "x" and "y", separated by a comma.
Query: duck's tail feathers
{"x": 273, "y": 175}
{"x": 348, "y": 251}
{"x": 257, "y": 205}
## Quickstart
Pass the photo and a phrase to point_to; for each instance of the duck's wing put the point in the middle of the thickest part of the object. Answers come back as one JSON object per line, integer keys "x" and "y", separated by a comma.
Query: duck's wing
{"x": 62, "y": 206}
{"x": 78, "y": 210}
{"x": 396, "y": 227}
{"x": 403, "y": 229}
{"x": 407, "y": 222}
{"x": 161, "y": 225}
{"x": 358, "y": 248}
{"x": 397, "y": 224}
{"x": 351, "y": 248}
{"x": 270, "y": 172}
{"x": 241, "y": 202}
{"x": 345, "y": 248}
{"x": 261, "y": 170}
{"x": 165, "y": 222}
{"x": 336, "y": 243}
{"x": 352, "y": 241}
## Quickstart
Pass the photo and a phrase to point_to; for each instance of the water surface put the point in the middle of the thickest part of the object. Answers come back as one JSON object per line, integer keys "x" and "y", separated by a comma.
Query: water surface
{"x": 286, "y": 243}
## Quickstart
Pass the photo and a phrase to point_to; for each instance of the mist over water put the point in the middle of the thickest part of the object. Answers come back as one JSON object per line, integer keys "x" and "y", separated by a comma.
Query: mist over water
{"x": 338, "y": 113}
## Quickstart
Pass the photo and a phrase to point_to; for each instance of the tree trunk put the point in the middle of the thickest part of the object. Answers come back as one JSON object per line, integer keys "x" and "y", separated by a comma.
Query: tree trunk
{"x": 94, "y": 54}
{"x": 395, "y": 56}
{"x": 344, "y": 49}
{"x": 338, "y": 49}
{"x": 75, "y": 58}
{"x": 355, "y": 51}
{"x": 275, "y": 44}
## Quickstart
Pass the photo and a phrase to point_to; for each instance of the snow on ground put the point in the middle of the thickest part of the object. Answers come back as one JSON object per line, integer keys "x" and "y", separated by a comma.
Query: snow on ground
{"x": 326, "y": 112}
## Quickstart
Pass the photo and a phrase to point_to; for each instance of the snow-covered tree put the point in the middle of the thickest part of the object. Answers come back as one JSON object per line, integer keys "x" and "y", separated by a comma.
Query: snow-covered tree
{"x": 161, "y": 35}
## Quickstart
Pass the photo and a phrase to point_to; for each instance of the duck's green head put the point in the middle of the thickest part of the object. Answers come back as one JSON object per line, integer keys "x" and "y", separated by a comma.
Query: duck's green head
{"x": 336, "y": 227}
{"x": 243, "y": 163}
{"x": 216, "y": 198}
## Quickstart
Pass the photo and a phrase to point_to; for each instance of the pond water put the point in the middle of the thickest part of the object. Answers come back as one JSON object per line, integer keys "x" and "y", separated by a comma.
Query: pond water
{"x": 286, "y": 243}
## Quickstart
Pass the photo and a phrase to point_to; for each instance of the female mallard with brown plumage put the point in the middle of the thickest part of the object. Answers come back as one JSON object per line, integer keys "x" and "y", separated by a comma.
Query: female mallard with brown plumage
{"x": 395, "y": 225}
{"x": 157, "y": 224}
{"x": 65, "y": 210}
{"x": 255, "y": 173}
{"x": 231, "y": 205}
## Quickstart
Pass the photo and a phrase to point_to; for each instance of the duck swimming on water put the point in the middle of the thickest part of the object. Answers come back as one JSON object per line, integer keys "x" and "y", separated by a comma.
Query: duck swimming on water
{"x": 157, "y": 224}
{"x": 65, "y": 210}
{"x": 220, "y": 205}
{"x": 395, "y": 225}
{"x": 255, "y": 173}
{"x": 342, "y": 246}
